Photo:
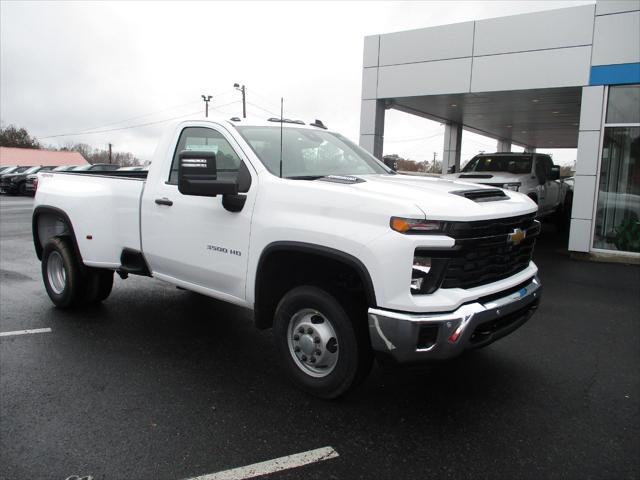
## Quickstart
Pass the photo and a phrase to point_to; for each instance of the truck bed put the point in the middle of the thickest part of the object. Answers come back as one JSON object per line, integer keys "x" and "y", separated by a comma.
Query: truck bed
{"x": 103, "y": 206}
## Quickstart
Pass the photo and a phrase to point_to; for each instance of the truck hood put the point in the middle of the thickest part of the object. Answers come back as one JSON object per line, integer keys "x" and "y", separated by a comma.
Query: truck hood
{"x": 488, "y": 177}
{"x": 438, "y": 199}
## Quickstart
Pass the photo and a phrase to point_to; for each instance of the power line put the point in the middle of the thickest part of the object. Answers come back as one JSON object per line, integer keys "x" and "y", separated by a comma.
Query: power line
{"x": 263, "y": 97}
{"x": 123, "y": 128}
{"x": 263, "y": 109}
{"x": 86, "y": 130}
{"x": 218, "y": 107}
{"x": 90, "y": 131}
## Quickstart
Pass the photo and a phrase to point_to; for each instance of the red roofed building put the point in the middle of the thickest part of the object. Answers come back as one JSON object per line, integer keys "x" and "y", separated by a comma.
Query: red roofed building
{"x": 34, "y": 157}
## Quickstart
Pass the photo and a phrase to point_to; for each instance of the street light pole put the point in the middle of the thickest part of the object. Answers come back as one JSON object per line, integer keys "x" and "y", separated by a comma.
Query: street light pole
{"x": 244, "y": 99}
{"x": 206, "y": 99}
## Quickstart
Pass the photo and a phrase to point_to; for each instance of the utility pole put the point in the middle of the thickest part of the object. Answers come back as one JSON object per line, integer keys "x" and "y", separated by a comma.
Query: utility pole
{"x": 110, "y": 153}
{"x": 206, "y": 99}
{"x": 244, "y": 99}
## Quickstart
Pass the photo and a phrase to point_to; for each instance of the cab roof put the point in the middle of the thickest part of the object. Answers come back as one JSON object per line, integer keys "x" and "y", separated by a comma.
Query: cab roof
{"x": 261, "y": 122}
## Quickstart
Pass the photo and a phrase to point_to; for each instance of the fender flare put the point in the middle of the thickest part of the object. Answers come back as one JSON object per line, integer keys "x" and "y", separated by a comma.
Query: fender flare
{"x": 320, "y": 251}
{"x": 39, "y": 210}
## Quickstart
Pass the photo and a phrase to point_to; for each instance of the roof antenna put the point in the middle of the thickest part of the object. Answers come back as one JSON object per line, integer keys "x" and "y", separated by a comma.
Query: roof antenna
{"x": 281, "y": 122}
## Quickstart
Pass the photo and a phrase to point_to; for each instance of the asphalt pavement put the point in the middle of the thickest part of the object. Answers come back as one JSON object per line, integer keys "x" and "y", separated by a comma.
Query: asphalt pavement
{"x": 160, "y": 383}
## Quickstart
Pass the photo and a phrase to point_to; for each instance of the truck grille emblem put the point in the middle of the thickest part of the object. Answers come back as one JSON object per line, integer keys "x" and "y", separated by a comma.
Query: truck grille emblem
{"x": 517, "y": 236}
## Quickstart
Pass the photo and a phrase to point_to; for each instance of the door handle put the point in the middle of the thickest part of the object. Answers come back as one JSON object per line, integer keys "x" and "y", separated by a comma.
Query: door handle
{"x": 164, "y": 201}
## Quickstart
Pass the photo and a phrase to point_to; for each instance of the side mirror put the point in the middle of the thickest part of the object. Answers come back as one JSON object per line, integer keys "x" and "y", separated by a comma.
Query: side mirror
{"x": 198, "y": 175}
{"x": 555, "y": 173}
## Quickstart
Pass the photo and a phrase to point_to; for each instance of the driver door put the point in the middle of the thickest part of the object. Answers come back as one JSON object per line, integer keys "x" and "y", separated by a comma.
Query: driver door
{"x": 195, "y": 239}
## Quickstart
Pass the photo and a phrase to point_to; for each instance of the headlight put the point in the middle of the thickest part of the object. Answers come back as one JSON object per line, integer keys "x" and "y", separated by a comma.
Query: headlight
{"x": 512, "y": 186}
{"x": 14, "y": 180}
{"x": 415, "y": 225}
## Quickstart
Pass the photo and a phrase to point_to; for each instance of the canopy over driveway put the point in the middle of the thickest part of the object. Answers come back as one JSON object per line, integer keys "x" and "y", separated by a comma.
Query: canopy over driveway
{"x": 540, "y": 80}
{"x": 546, "y": 118}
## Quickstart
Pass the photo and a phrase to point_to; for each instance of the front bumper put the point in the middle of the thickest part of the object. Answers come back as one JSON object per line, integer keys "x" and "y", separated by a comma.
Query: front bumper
{"x": 414, "y": 337}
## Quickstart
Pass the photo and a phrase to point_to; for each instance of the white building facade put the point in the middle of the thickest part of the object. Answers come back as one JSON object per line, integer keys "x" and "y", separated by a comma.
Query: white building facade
{"x": 565, "y": 78}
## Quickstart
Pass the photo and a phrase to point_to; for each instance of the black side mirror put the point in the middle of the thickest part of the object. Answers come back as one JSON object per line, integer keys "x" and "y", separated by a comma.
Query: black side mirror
{"x": 555, "y": 173}
{"x": 197, "y": 175}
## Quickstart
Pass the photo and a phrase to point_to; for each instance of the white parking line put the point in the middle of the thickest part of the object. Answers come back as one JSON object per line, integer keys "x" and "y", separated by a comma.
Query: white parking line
{"x": 25, "y": 332}
{"x": 272, "y": 466}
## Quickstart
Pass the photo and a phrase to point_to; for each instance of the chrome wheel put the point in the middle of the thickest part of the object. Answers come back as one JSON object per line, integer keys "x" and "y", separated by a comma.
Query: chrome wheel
{"x": 56, "y": 273}
{"x": 313, "y": 343}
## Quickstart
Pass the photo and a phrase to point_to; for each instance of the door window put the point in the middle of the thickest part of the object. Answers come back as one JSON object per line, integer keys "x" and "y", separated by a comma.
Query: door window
{"x": 206, "y": 139}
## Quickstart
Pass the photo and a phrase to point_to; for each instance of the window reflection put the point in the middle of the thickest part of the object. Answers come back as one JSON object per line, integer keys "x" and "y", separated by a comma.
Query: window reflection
{"x": 618, "y": 210}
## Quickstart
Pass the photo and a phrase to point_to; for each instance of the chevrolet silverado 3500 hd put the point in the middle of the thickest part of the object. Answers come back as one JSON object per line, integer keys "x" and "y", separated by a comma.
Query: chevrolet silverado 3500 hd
{"x": 343, "y": 257}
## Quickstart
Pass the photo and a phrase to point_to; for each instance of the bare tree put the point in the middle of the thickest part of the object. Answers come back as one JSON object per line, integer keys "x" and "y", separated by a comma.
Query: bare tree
{"x": 12, "y": 136}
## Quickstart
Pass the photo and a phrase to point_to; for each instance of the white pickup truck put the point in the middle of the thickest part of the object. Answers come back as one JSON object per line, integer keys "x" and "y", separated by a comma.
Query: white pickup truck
{"x": 533, "y": 174}
{"x": 343, "y": 257}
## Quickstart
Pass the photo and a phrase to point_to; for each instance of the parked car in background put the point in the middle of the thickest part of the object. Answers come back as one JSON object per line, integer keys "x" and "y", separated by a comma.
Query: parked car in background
{"x": 7, "y": 169}
{"x": 569, "y": 182}
{"x": 533, "y": 174}
{"x": 97, "y": 167}
{"x": 66, "y": 168}
{"x": 10, "y": 170}
{"x": 16, "y": 183}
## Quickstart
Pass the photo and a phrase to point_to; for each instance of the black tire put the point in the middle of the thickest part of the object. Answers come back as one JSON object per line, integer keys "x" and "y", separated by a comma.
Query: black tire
{"x": 22, "y": 189}
{"x": 354, "y": 351}
{"x": 67, "y": 291}
{"x": 98, "y": 285}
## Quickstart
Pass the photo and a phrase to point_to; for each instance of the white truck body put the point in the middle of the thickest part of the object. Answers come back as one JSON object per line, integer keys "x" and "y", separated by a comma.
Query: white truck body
{"x": 537, "y": 181}
{"x": 196, "y": 243}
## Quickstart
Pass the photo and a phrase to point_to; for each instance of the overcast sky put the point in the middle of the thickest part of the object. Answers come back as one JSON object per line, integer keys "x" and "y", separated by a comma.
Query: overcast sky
{"x": 70, "y": 67}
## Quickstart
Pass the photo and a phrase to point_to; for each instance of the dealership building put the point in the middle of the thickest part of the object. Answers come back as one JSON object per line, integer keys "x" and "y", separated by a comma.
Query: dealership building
{"x": 565, "y": 78}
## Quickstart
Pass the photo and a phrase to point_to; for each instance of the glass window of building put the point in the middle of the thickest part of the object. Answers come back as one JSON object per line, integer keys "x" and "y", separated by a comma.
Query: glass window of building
{"x": 617, "y": 225}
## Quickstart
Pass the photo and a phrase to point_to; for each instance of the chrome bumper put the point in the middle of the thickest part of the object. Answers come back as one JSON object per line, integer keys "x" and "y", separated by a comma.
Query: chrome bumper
{"x": 414, "y": 337}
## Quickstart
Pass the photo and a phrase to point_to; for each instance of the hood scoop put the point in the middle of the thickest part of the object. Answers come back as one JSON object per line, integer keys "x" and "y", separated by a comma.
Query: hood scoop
{"x": 483, "y": 195}
{"x": 346, "y": 179}
{"x": 474, "y": 175}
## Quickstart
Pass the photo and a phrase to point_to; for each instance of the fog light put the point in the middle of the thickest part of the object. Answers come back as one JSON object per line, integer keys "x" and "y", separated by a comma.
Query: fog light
{"x": 416, "y": 284}
{"x": 419, "y": 272}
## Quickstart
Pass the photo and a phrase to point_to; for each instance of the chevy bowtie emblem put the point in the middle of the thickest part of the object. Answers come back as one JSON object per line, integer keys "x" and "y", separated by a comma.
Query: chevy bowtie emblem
{"x": 516, "y": 236}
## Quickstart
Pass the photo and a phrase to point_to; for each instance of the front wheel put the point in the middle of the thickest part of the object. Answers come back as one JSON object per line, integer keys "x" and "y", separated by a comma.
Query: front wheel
{"x": 323, "y": 351}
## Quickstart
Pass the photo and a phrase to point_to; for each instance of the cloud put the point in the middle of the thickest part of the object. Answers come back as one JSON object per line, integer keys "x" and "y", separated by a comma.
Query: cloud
{"x": 67, "y": 66}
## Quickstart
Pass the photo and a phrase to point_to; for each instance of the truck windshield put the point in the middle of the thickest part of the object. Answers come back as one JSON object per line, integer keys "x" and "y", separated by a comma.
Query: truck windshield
{"x": 308, "y": 154}
{"x": 499, "y": 163}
